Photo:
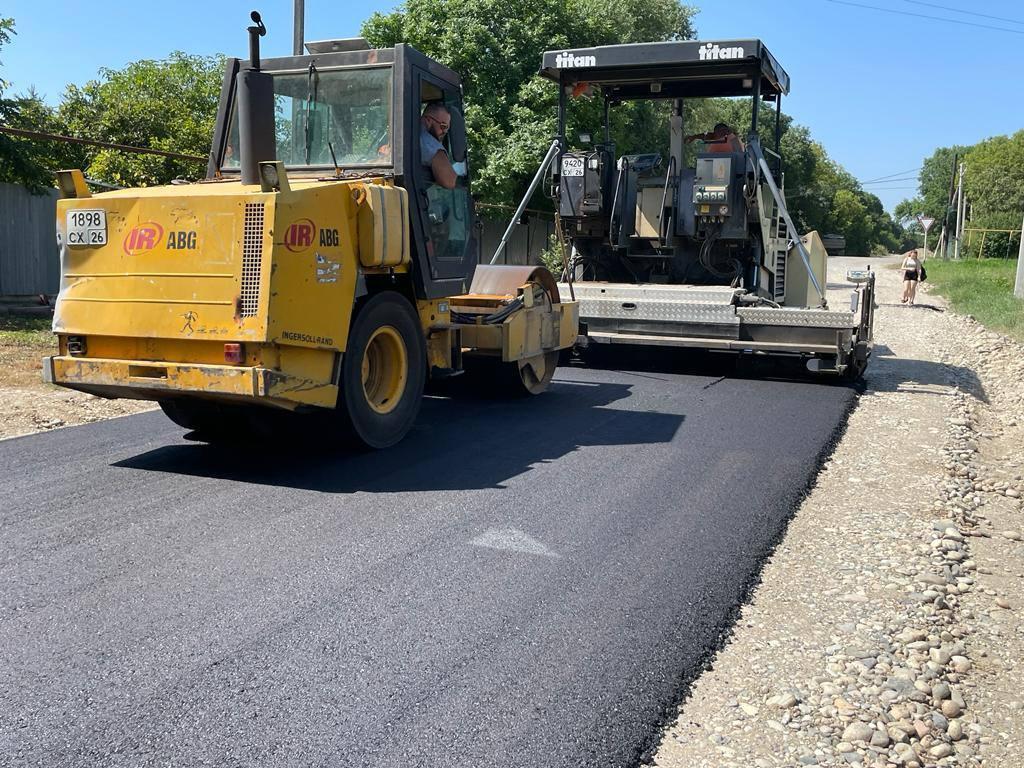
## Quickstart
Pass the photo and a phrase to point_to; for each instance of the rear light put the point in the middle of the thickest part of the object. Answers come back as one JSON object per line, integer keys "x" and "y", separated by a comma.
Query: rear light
{"x": 76, "y": 345}
{"x": 233, "y": 353}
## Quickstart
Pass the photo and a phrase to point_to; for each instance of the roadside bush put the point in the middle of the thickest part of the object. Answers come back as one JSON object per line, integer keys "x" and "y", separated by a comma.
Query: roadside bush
{"x": 551, "y": 257}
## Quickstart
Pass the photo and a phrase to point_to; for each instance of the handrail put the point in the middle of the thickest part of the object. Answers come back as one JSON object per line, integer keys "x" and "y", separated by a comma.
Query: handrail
{"x": 623, "y": 166}
{"x": 552, "y": 151}
{"x": 776, "y": 155}
{"x": 664, "y": 197}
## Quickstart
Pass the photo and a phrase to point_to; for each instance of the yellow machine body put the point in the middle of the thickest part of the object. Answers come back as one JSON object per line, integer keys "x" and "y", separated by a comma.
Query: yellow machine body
{"x": 222, "y": 291}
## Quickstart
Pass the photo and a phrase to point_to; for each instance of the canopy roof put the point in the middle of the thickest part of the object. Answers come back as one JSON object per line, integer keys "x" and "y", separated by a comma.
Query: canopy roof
{"x": 681, "y": 69}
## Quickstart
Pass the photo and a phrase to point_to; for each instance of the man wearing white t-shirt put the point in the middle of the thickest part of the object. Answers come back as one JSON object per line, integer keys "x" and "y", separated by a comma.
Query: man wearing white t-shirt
{"x": 434, "y": 124}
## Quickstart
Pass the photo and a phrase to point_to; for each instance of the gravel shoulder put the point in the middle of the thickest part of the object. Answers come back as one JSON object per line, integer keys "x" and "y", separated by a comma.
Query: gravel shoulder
{"x": 886, "y": 627}
{"x": 29, "y": 405}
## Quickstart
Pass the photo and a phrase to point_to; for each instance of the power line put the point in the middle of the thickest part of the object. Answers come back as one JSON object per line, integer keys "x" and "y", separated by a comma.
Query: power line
{"x": 967, "y": 13}
{"x": 94, "y": 143}
{"x": 925, "y": 16}
{"x": 898, "y": 173}
{"x": 888, "y": 181}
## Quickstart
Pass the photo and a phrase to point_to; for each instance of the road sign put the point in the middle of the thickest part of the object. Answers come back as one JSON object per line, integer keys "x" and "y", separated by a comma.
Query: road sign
{"x": 925, "y": 222}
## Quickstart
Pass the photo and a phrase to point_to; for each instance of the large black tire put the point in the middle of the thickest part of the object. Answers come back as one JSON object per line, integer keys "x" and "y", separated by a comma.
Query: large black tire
{"x": 855, "y": 371}
{"x": 383, "y": 371}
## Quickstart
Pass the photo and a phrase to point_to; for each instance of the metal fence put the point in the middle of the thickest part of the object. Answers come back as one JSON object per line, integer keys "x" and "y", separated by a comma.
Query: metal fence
{"x": 29, "y": 259}
{"x": 530, "y": 237}
{"x": 1001, "y": 243}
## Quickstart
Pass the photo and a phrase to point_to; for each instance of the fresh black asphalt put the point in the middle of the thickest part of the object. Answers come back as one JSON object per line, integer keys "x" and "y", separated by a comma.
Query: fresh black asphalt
{"x": 528, "y": 583}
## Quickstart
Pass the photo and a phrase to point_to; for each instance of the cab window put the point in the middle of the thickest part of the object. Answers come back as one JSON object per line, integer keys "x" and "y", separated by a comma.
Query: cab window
{"x": 344, "y": 110}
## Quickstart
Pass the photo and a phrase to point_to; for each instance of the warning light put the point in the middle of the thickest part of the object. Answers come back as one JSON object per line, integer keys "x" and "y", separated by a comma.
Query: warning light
{"x": 233, "y": 353}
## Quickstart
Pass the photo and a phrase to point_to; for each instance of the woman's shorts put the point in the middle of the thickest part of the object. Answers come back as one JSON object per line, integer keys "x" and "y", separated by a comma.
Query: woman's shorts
{"x": 910, "y": 274}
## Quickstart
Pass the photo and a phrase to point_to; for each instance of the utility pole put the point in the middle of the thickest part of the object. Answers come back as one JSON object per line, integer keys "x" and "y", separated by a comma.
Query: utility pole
{"x": 959, "y": 214}
{"x": 963, "y": 206}
{"x": 956, "y": 221}
{"x": 944, "y": 238}
{"x": 1018, "y": 286}
{"x": 299, "y": 28}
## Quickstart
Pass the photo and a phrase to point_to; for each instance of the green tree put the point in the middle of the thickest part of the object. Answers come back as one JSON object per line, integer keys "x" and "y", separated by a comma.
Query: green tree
{"x": 906, "y": 213}
{"x": 25, "y": 161}
{"x": 934, "y": 179}
{"x": 511, "y": 112}
{"x": 994, "y": 184}
{"x": 884, "y": 234}
{"x": 169, "y": 105}
{"x": 496, "y": 46}
{"x": 994, "y": 179}
{"x": 932, "y": 199}
{"x": 850, "y": 217}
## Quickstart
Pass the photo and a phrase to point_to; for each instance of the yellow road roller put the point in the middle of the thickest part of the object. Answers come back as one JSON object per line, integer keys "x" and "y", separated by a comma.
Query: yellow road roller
{"x": 319, "y": 272}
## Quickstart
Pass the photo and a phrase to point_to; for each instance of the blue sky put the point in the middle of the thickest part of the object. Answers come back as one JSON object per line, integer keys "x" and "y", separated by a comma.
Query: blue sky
{"x": 881, "y": 90}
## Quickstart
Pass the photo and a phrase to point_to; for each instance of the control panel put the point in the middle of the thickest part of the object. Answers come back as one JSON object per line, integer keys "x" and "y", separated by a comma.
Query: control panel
{"x": 712, "y": 188}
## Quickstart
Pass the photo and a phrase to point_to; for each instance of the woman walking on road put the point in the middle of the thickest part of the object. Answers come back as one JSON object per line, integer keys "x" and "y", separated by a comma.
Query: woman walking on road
{"x": 911, "y": 276}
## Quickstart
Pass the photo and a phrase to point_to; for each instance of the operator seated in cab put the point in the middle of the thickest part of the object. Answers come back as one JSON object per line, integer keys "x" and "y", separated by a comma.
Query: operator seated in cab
{"x": 435, "y": 122}
{"x": 721, "y": 139}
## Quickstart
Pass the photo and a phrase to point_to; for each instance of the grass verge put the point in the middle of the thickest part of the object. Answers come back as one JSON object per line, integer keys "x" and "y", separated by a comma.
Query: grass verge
{"x": 17, "y": 331}
{"x": 982, "y": 288}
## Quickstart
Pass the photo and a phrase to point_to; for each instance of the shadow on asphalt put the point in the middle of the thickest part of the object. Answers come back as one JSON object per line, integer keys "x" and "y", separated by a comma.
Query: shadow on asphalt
{"x": 456, "y": 444}
{"x": 476, "y": 441}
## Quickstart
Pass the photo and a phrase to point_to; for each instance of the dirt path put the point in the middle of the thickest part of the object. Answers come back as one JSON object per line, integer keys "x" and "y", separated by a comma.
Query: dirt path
{"x": 886, "y": 629}
{"x": 28, "y": 405}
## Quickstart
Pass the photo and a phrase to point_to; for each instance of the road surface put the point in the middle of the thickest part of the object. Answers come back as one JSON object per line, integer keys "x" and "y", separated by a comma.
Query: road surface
{"x": 527, "y": 583}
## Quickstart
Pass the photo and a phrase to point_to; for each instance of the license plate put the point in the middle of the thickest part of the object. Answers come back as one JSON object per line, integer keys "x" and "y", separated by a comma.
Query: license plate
{"x": 572, "y": 166}
{"x": 87, "y": 226}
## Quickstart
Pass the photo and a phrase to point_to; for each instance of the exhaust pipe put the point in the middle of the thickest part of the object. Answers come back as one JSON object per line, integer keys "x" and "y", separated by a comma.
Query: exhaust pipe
{"x": 255, "y": 91}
